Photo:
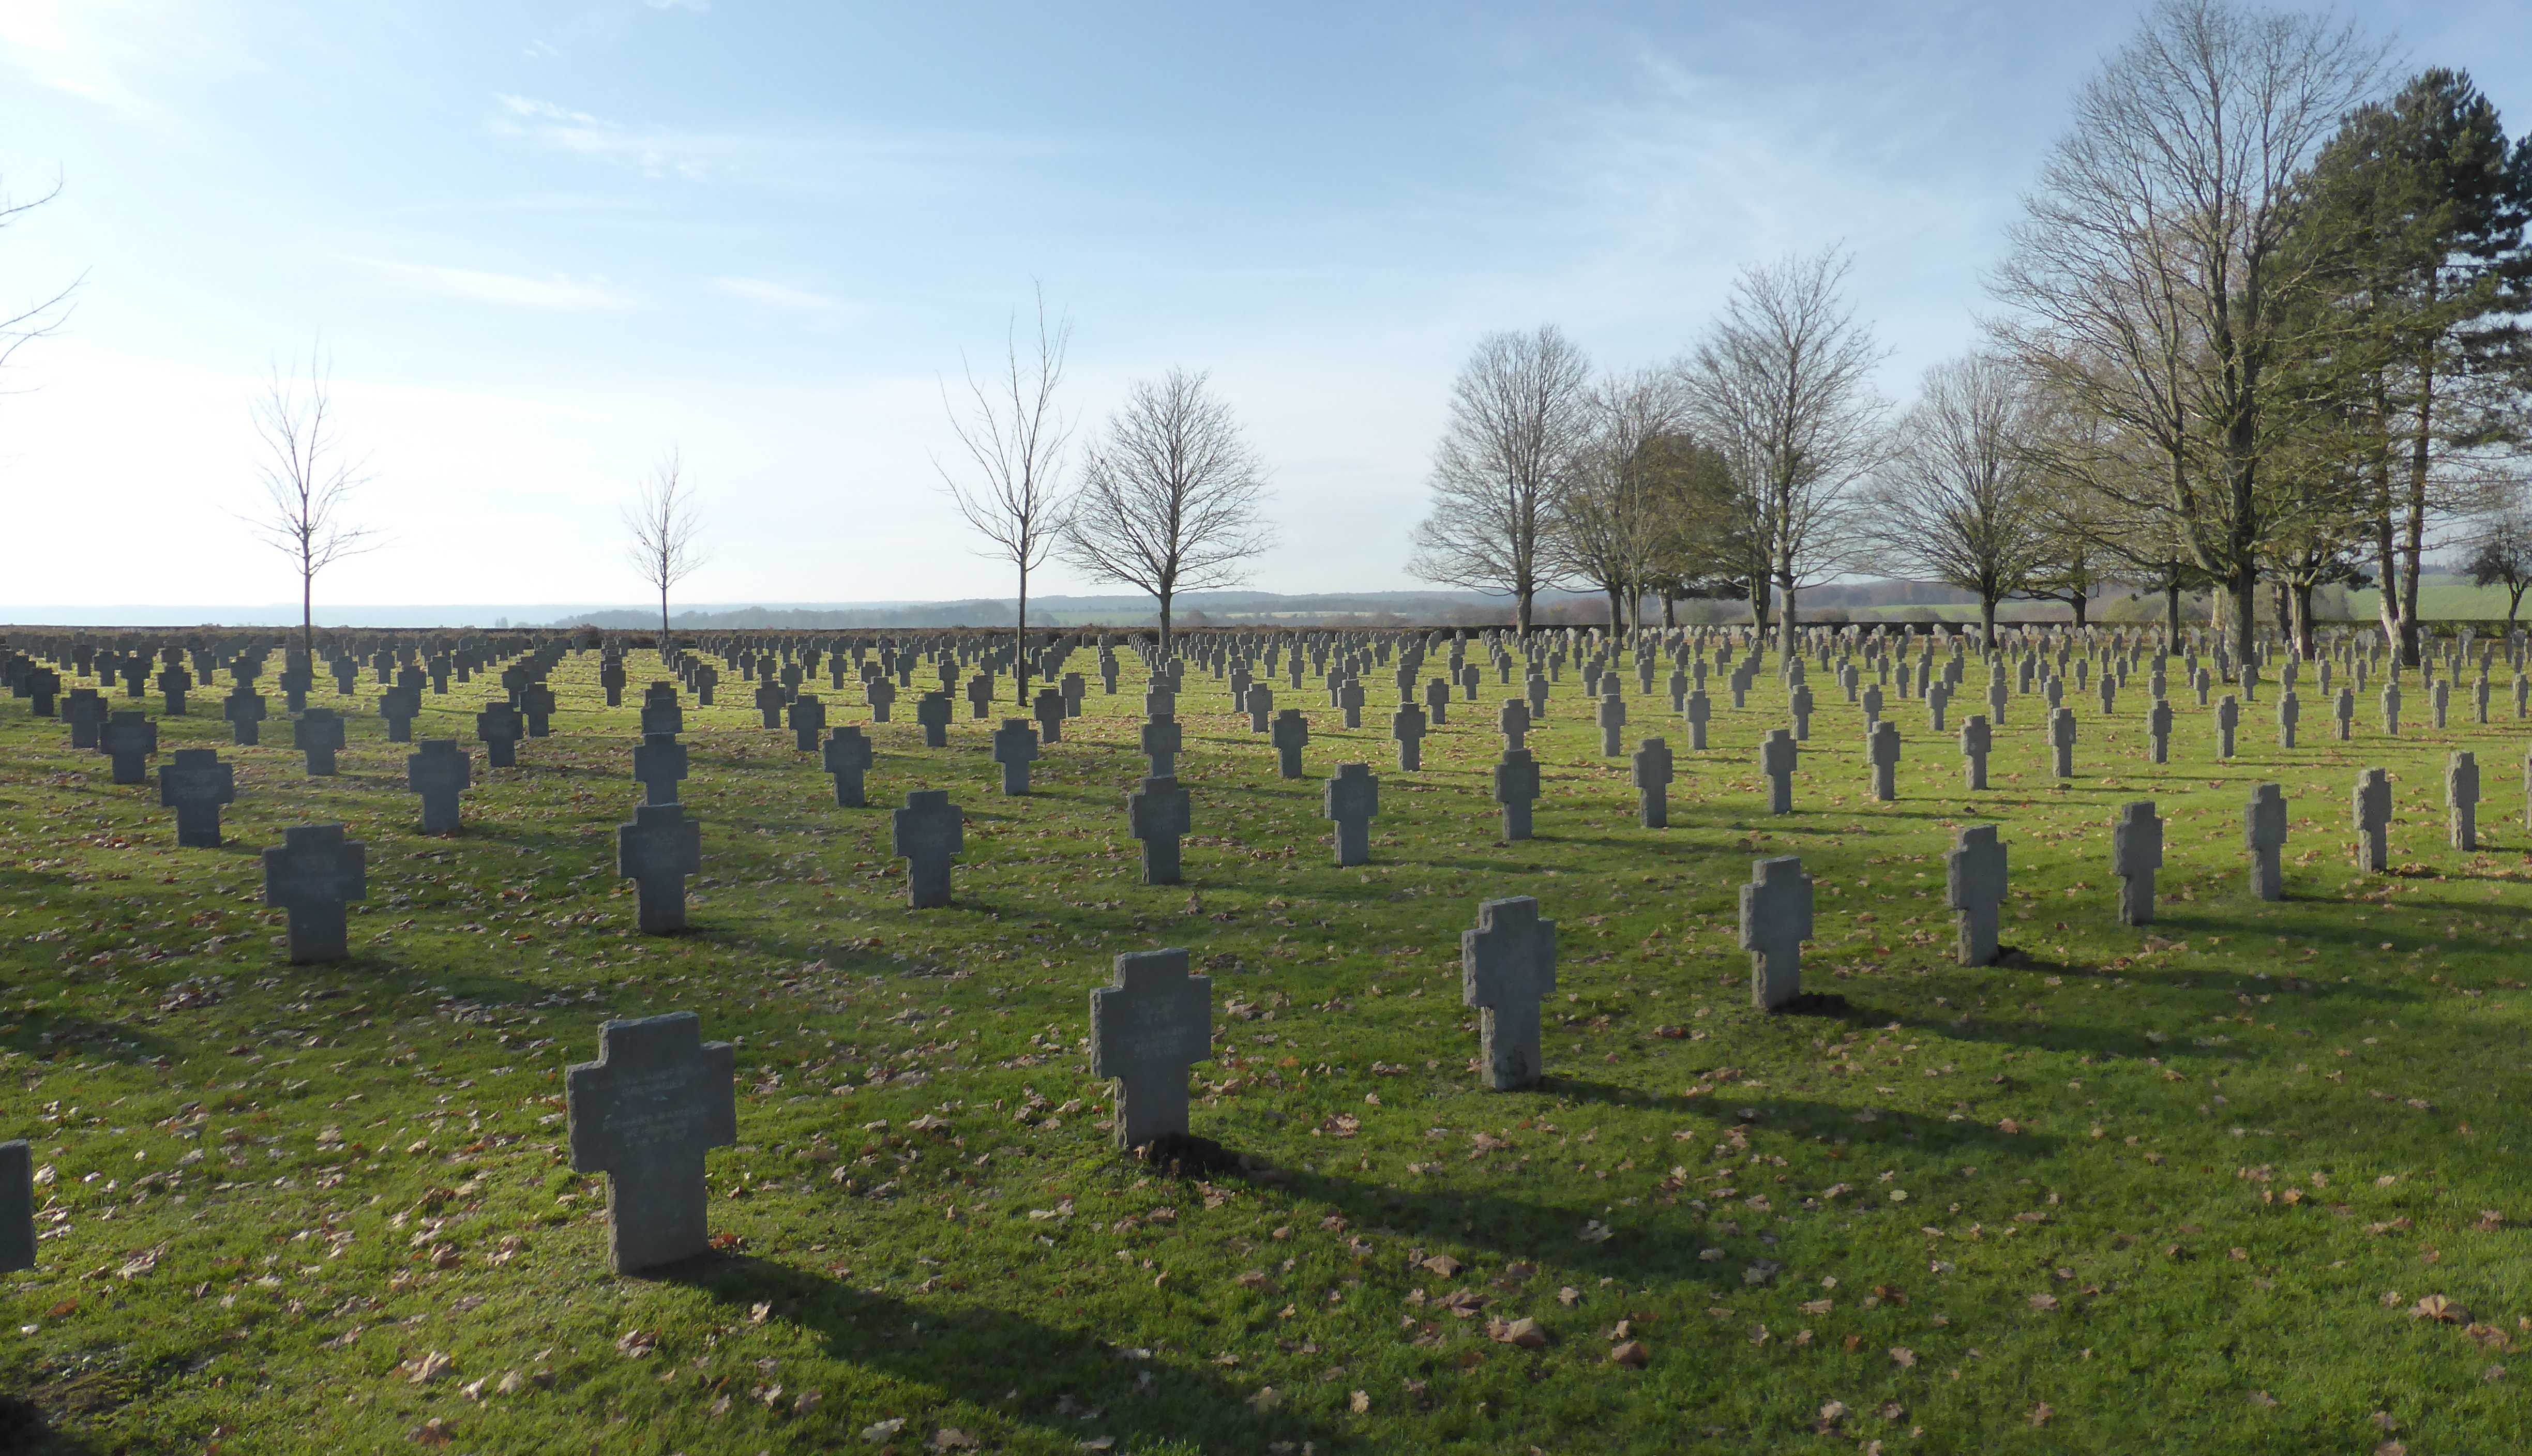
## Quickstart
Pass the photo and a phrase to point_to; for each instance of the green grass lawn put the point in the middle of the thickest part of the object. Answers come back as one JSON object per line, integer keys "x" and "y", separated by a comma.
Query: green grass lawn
{"x": 2199, "y": 1187}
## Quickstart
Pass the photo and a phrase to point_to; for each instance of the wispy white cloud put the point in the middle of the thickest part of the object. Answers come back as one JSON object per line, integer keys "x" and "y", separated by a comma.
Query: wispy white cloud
{"x": 556, "y": 294}
{"x": 657, "y": 152}
{"x": 912, "y": 159}
{"x": 540, "y": 50}
{"x": 817, "y": 307}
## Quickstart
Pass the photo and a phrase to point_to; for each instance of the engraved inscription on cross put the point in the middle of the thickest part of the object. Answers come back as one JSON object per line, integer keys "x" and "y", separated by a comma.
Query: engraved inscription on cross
{"x": 1507, "y": 967}
{"x": 645, "y": 1113}
{"x": 1147, "y": 1027}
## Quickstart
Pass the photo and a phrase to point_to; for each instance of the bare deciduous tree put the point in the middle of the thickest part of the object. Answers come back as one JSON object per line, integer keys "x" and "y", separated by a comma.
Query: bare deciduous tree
{"x": 1781, "y": 385}
{"x": 37, "y": 320}
{"x": 667, "y": 532}
{"x": 309, "y": 482}
{"x": 1957, "y": 500}
{"x": 1170, "y": 497}
{"x": 2150, "y": 273}
{"x": 1609, "y": 520}
{"x": 1014, "y": 436}
{"x": 2503, "y": 555}
{"x": 1518, "y": 414}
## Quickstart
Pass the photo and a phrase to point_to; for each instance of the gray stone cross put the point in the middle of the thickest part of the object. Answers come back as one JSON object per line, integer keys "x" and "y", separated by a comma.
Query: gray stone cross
{"x": 439, "y": 769}
{"x": 1516, "y": 790}
{"x": 319, "y": 734}
{"x": 1653, "y": 775}
{"x": 1352, "y": 801}
{"x": 196, "y": 783}
{"x": 1148, "y": 1026}
{"x": 1260, "y": 704}
{"x": 1776, "y": 760}
{"x": 2061, "y": 741}
{"x": 1507, "y": 967}
{"x": 847, "y": 758}
{"x": 1407, "y": 726}
{"x": 1698, "y": 712}
{"x": 2290, "y": 712}
{"x": 1049, "y": 713}
{"x": 932, "y": 716}
{"x": 1161, "y": 739}
{"x": 927, "y": 834}
{"x": 1776, "y": 921}
{"x": 1974, "y": 884}
{"x": 2136, "y": 852}
{"x": 500, "y": 728}
{"x": 128, "y": 740}
{"x": 807, "y": 715}
{"x": 1292, "y": 733}
{"x": 2372, "y": 815}
{"x": 1158, "y": 815}
{"x": 245, "y": 710}
{"x": 1881, "y": 748}
{"x": 2461, "y": 800}
{"x": 2229, "y": 718}
{"x": 1612, "y": 717}
{"x": 656, "y": 852}
{"x": 1015, "y": 748}
{"x": 1513, "y": 721}
{"x": 1975, "y": 744}
{"x": 659, "y": 765}
{"x": 2263, "y": 838}
{"x": 311, "y": 873}
{"x": 645, "y": 1113}
{"x": 2392, "y": 709}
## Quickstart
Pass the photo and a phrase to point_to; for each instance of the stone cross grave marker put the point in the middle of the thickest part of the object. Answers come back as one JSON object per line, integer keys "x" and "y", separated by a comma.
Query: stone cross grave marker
{"x": 2392, "y": 709}
{"x": 2372, "y": 809}
{"x": 1881, "y": 748}
{"x": 1938, "y": 699}
{"x": 196, "y": 783}
{"x": 439, "y": 769}
{"x": 17, "y": 1206}
{"x": 1802, "y": 709}
{"x": 1612, "y": 714}
{"x": 1016, "y": 746}
{"x": 770, "y": 699}
{"x": 657, "y": 1100}
{"x": 499, "y": 729}
{"x": 1162, "y": 738}
{"x": 2343, "y": 714}
{"x": 927, "y": 834}
{"x": 2061, "y": 741}
{"x": 1698, "y": 712}
{"x": 1260, "y": 703}
{"x": 2229, "y": 718}
{"x": 846, "y": 758}
{"x": 657, "y": 851}
{"x": 1349, "y": 698}
{"x": 1513, "y": 721}
{"x": 2136, "y": 852}
{"x": 313, "y": 874}
{"x": 1974, "y": 885}
{"x": 1048, "y": 710}
{"x": 807, "y": 718}
{"x": 1350, "y": 800}
{"x": 128, "y": 740}
{"x": 2290, "y": 712}
{"x": 932, "y": 716}
{"x": 2264, "y": 837}
{"x": 1776, "y": 760}
{"x": 1976, "y": 742}
{"x": 1407, "y": 726}
{"x": 245, "y": 710}
{"x": 1437, "y": 701}
{"x": 1507, "y": 967}
{"x": 1516, "y": 790}
{"x": 319, "y": 734}
{"x": 1776, "y": 921}
{"x": 397, "y": 707}
{"x": 1159, "y": 814}
{"x": 1292, "y": 733}
{"x": 659, "y": 765}
{"x": 2461, "y": 800}
{"x": 662, "y": 713}
{"x": 2440, "y": 702}
{"x": 1150, "y": 1024}
{"x": 1653, "y": 775}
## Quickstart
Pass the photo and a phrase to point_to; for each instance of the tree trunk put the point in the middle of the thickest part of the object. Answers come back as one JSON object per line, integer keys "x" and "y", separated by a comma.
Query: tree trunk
{"x": 1019, "y": 646}
{"x": 2301, "y": 601}
{"x": 307, "y": 614}
{"x": 2078, "y": 602}
{"x": 664, "y": 618}
{"x": 1785, "y": 617}
{"x": 2246, "y": 608}
{"x": 1521, "y": 603}
{"x": 1986, "y": 625}
{"x": 1166, "y": 602}
{"x": 1617, "y": 618}
{"x": 1670, "y": 609}
{"x": 2171, "y": 611}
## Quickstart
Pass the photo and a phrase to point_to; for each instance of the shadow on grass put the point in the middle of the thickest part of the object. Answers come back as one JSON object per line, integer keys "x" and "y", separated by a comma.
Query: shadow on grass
{"x": 969, "y": 1352}
{"x": 25, "y": 1431}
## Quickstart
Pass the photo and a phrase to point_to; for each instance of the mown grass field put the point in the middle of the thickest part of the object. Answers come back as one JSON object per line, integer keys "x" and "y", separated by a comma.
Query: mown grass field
{"x": 2206, "y": 1187}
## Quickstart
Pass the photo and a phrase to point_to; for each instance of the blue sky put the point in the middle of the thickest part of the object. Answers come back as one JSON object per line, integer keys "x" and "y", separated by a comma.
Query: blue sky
{"x": 543, "y": 243}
